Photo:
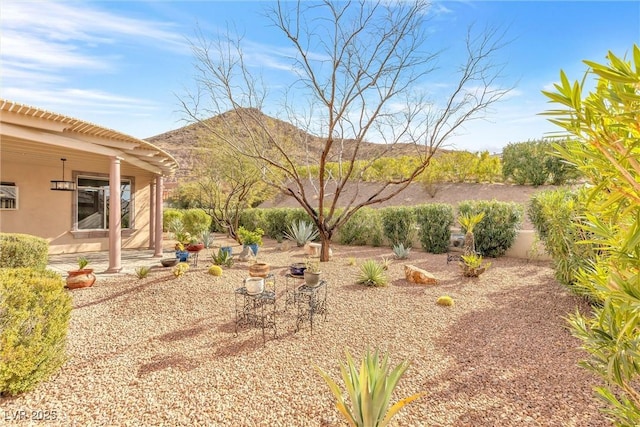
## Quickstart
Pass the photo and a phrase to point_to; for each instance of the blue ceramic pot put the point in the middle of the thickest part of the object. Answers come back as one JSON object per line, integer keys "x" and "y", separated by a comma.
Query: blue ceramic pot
{"x": 226, "y": 249}
{"x": 254, "y": 248}
{"x": 182, "y": 255}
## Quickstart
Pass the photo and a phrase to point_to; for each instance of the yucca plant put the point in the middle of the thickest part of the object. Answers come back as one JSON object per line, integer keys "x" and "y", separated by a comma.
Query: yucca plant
{"x": 369, "y": 389}
{"x": 372, "y": 274}
{"x": 301, "y": 232}
{"x": 472, "y": 265}
{"x": 468, "y": 222}
{"x": 400, "y": 251}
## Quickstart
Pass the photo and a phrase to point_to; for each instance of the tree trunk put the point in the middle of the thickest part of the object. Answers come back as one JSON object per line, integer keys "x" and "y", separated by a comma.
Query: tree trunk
{"x": 325, "y": 239}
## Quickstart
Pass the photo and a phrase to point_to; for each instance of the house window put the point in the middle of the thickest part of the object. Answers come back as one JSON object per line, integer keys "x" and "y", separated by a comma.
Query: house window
{"x": 93, "y": 203}
{"x": 8, "y": 196}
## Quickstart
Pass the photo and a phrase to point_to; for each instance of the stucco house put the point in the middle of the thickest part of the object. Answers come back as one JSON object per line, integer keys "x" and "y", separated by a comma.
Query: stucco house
{"x": 109, "y": 196}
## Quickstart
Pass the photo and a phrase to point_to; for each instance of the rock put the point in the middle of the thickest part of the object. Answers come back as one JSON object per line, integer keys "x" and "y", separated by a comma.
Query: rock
{"x": 313, "y": 249}
{"x": 418, "y": 275}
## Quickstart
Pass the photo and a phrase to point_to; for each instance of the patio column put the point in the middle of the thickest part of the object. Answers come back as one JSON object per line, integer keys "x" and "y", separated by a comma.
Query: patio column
{"x": 158, "y": 221}
{"x": 115, "y": 220}
{"x": 152, "y": 214}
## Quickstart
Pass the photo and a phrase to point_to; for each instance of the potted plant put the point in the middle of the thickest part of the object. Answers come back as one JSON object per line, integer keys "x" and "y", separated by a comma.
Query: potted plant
{"x": 82, "y": 277}
{"x": 252, "y": 239}
{"x": 312, "y": 272}
{"x": 181, "y": 254}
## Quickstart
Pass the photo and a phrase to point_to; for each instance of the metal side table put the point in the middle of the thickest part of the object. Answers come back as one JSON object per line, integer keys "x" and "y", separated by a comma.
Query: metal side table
{"x": 310, "y": 301}
{"x": 258, "y": 310}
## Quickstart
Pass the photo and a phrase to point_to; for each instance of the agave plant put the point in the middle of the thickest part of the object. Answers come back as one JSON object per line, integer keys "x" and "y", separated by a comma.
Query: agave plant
{"x": 222, "y": 258}
{"x": 401, "y": 252}
{"x": 301, "y": 232}
{"x": 369, "y": 389}
{"x": 372, "y": 274}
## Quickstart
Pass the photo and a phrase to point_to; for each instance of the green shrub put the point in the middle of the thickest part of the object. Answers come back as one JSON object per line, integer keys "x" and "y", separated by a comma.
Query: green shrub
{"x": 23, "y": 250}
{"x": 524, "y": 162}
{"x": 363, "y": 228}
{"x": 168, "y": 215}
{"x": 498, "y": 229}
{"x": 434, "y": 221}
{"x": 34, "y": 313}
{"x": 398, "y": 225}
{"x": 556, "y": 217}
{"x": 196, "y": 222}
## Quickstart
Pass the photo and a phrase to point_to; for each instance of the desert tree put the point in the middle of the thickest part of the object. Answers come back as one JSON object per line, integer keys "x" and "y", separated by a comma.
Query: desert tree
{"x": 361, "y": 72}
{"x": 226, "y": 184}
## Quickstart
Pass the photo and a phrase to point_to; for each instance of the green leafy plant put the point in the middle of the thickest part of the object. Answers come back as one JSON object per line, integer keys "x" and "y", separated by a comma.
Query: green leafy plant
{"x": 301, "y": 232}
{"x": 401, "y": 252}
{"x": 372, "y": 274}
{"x": 222, "y": 258}
{"x": 142, "y": 272}
{"x": 445, "y": 300}
{"x": 179, "y": 231}
{"x": 34, "y": 317}
{"x": 312, "y": 265}
{"x": 351, "y": 261}
{"x": 369, "y": 389}
{"x": 215, "y": 270}
{"x": 82, "y": 262}
{"x": 248, "y": 237}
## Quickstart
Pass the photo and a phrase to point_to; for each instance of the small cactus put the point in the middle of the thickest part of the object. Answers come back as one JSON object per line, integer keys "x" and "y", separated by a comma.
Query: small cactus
{"x": 215, "y": 270}
{"x": 445, "y": 300}
{"x": 180, "y": 269}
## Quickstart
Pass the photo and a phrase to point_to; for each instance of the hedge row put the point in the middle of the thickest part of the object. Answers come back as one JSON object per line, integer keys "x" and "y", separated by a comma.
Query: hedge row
{"x": 430, "y": 223}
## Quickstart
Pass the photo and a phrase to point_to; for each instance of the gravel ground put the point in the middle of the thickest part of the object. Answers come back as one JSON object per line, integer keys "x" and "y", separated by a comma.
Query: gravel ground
{"x": 162, "y": 351}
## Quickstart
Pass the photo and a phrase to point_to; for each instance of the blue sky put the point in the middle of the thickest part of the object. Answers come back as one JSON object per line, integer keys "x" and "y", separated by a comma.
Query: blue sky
{"x": 122, "y": 64}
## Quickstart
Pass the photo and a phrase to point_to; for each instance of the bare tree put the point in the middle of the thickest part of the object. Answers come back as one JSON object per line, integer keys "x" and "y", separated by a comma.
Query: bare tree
{"x": 361, "y": 69}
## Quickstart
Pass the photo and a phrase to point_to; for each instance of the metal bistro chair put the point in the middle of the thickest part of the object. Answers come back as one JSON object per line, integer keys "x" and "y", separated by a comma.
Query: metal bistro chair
{"x": 258, "y": 310}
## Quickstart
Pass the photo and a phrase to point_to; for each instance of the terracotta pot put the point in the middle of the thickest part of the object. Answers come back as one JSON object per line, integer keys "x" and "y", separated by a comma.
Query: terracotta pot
{"x": 195, "y": 247}
{"x": 80, "y": 278}
{"x": 259, "y": 269}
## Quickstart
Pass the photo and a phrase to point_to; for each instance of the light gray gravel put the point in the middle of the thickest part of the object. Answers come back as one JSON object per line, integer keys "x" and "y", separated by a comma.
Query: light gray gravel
{"x": 162, "y": 351}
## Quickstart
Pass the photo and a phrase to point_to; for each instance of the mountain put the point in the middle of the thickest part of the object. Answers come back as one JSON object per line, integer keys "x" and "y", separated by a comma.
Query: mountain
{"x": 182, "y": 143}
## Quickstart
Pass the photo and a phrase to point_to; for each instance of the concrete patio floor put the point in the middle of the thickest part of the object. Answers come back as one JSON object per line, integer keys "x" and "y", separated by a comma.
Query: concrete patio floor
{"x": 99, "y": 261}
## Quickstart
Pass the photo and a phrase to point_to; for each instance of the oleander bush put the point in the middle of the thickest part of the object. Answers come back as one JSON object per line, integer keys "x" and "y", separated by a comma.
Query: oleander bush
{"x": 23, "y": 250}
{"x": 398, "y": 225}
{"x": 434, "y": 222}
{"x": 363, "y": 228}
{"x": 557, "y": 217}
{"x": 34, "y": 319}
{"x": 498, "y": 229}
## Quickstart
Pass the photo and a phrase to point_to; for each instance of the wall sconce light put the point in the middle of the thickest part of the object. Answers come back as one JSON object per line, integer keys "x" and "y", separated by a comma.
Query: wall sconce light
{"x": 63, "y": 185}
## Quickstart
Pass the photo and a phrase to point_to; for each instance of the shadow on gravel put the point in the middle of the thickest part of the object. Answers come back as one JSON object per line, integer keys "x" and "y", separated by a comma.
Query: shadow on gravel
{"x": 516, "y": 362}
{"x": 173, "y": 361}
{"x": 128, "y": 291}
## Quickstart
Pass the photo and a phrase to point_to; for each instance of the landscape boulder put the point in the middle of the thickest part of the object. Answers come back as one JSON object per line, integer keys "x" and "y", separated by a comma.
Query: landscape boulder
{"x": 418, "y": 275}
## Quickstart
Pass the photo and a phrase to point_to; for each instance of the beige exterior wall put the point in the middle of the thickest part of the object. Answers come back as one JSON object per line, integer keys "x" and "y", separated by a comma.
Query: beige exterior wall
{"x": 49, "y": 214}
{"x": 527, "y": 246}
